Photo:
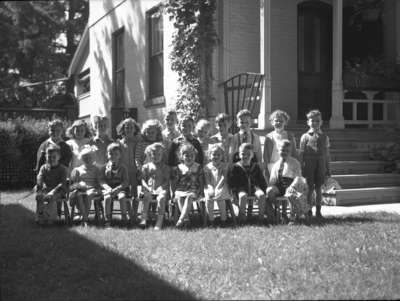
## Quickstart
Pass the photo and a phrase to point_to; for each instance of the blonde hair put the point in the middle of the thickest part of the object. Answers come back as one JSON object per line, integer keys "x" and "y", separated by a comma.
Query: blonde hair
{"x": 314, "y": 113}
{"x": 120, "y": 126}
{"x": 242, "y": 113}
{"x": 71, "y": 129}
{"x": 151, "y": 149}
{"x": 149, "y": 124}
{"x": 201, "y": 124}
{"x": 279, "y": 113}
{"x": 186, "y": 147}
{"x": 216, "y": 147}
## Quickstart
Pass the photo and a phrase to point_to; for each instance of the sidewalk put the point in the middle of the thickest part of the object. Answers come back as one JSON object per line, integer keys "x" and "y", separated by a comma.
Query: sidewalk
{"x": 341, "y": 210}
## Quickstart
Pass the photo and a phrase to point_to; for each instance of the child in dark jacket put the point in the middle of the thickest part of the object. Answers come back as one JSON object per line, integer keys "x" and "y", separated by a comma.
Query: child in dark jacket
{"x": 246, "y": 179}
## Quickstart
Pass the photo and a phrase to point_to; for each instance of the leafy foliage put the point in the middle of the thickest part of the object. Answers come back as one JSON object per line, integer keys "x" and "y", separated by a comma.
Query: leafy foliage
{"x": 193, "y": 42}
{"x": 38, "y": 39}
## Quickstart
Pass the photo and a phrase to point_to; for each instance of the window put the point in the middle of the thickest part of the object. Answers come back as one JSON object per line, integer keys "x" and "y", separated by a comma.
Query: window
{"x": 118, "y": 68}
{"x": 156, "y": 52}
{"x": 83, "y": 85}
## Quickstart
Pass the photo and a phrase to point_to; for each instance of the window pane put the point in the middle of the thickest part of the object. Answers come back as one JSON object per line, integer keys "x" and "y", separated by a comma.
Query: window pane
{"x": 119, "y": 88}
{"x": 156, "y": 27}
{"x": 119, "y": 48}
{"x": 156, "y": 85}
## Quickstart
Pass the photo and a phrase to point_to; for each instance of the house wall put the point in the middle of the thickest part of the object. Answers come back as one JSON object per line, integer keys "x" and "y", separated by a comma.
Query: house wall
{"x": 106, "y": 17}
{"x": 238, "y": 30}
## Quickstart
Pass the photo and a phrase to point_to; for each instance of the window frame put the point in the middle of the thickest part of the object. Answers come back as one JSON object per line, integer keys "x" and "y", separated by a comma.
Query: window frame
{"x": 118, "y": 35}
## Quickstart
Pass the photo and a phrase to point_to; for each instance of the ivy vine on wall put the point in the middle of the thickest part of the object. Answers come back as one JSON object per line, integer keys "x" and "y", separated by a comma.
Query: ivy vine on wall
{"x": 193, "y": 42}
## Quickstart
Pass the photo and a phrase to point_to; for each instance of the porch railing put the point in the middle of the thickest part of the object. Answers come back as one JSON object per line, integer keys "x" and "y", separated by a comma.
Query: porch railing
{"x": 372, "y": 109}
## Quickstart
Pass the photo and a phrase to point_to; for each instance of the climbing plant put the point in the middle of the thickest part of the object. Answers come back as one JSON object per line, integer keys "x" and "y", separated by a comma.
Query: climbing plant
{"x": 193, "y": 42}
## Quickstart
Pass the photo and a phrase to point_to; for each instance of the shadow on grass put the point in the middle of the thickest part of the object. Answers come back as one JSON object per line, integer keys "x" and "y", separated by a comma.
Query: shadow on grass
{"x": 58, "y": 264}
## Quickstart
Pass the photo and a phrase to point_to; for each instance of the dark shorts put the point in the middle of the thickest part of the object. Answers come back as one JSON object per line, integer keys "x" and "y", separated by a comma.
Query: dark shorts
{"x": 283, "y": 185}
{"x": 314, "y": 170}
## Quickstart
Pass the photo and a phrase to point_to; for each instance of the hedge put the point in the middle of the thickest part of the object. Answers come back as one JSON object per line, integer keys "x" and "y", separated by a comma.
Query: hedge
{"x": 19, "y": 140}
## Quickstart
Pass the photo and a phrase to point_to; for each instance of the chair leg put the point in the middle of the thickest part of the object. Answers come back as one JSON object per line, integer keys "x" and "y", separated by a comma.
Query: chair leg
{"x": 175, "y": 212}
{"x": 203, "y": 213}
{"x": 250, "y": 209}
{"x": 229, "y": 206}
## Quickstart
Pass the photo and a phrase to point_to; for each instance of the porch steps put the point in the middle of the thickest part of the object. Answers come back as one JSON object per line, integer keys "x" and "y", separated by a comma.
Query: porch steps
{"x": 368, "y": 180}
{"x": 349, "y": 154}
{"x": 367, "y": 196}
{"x": 356, "y": 167}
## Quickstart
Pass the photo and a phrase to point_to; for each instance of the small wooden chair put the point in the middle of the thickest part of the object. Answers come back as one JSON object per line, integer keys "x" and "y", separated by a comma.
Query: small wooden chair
{"x": 279, "y": 212}
{"x": 98, "y": 210}
{"x": 198, "y": 207}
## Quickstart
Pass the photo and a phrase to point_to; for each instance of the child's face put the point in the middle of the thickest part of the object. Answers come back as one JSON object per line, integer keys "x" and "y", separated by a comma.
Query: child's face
{"x": 114, "y": 155}
{"x": 170, "y": 121}
{"x": 101, "y": 127}
{"x": 128, "y": 129}
{"x": 246, "y": 155}
{"x": 278, "y": 123}
{"x": 284, "y": 151}
{"x": 244, "y": 122}
{"x": 314, "y": 122}
{"x": 55, "y": 132}
{"x": 188, "y": 157}
{"x": 52, "y": 158}
{"x": 186, "y": 128}
{"x": 216, "y": 156}
{"x": 151, "y": 134}
{"x": 223, "y": 127}
{"x": 87, "y": 159}
{"x": 202, "y": 132}
{"x": 157, "y": 155}
{"x": 79, "y": 132}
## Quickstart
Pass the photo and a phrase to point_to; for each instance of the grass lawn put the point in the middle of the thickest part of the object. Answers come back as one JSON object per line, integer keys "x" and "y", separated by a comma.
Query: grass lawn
{"x": 351, "y": 257}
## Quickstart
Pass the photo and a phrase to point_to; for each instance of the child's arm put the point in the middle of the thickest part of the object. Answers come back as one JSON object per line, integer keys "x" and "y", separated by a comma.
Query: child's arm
{"x": 208, "y": 188}
{"x": 292, "y": 139}
{"x": 39, "y": 179}
{"x": 301, "y": 150}
{"x": 145, "y": 177}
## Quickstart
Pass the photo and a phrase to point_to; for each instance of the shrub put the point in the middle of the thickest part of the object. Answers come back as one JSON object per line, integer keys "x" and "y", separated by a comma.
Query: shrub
{"x": 19, "y": 140}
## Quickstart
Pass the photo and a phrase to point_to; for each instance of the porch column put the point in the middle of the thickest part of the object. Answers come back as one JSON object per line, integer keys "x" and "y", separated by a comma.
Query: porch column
{"x": 397, "y": 29}
{"x": 337, "y": 120}
{"x": 265, "y": 60}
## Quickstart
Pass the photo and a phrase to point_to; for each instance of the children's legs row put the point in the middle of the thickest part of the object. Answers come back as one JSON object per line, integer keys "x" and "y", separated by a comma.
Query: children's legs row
{"x": 185, "y": 205}
{"x": 242, "y": 198}
{"x": 260, "y": 196}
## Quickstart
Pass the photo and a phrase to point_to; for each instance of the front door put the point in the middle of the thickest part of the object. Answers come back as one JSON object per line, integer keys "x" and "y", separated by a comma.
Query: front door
{"x": 314, "y": 58}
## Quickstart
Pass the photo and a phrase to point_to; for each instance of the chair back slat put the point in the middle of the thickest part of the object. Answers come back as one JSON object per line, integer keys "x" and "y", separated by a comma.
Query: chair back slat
{"x": 243, "y": 91}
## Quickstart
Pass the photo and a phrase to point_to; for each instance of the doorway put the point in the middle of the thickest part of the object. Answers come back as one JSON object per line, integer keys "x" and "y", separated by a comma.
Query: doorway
{"x": 314, "y": 52}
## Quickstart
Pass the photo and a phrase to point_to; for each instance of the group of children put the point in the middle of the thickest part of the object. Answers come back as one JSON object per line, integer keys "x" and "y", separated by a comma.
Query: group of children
{"x": 184, "y": 164}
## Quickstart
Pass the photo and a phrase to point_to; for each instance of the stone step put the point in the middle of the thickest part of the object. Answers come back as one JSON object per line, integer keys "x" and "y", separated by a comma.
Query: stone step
{"x": 349, "y": 154}
{"x": 367, "y": 196}
{"x": 368, "y": 180}
{"x": 356, "y": 167}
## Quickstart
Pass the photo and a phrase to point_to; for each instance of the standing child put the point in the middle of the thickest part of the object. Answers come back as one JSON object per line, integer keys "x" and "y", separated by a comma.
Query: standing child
{"x": 216, "y": 186}
{"x": 223, "y": 123}
{"x": 128, "y": 129}
{"x": 246, "y": 179}
{"x": 155, "y": 183}
{"x": 188, "y": 181}
{"x": 79, "y": 134}
{"x": 115, "y": 183}
{"x": 170, "y": 132}
{"x": 186, "y": 126}
{"x": 101, "y": 139}
{"x": 86, "y": 180}
{"x": 202, "y": 131}
{"x": 315, "y": 158}
{"x": 56, "y": 130}
{"x": 151, "y": 132}
{"x": 246, "y": 135}
{"x": 283, "y": 172}
{"x": 51, "y": 185}
{"x": 279, "y": 120}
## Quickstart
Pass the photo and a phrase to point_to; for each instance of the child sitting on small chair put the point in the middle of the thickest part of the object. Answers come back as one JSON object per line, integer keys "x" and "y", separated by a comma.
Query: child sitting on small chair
{"x": 297, "y": 194}
{"x": 155, "y": 183}
{"x": 188, "y": 181}
{"x": 101, "y": 139}
{"x": 283, "y": 172}
{"x": 51, "y": 185}
{"x": 246, "y": 179}
{"x": 216, "y": 186}
{"x": 115, "y": 183}
{"x": 86, "y": 181}
{"x": 315, "y": 158}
